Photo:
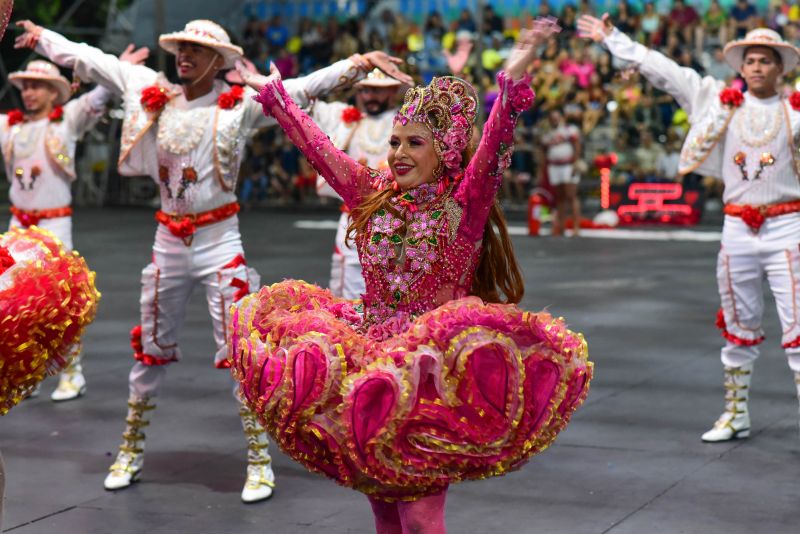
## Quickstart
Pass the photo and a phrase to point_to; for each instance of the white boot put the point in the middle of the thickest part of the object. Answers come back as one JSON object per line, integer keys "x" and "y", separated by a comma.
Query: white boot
{"x": 71, "y": 383}
{"x": 734, "y": 423}
{"x": 260, "y": 478}
{"x": 126, "y": 468}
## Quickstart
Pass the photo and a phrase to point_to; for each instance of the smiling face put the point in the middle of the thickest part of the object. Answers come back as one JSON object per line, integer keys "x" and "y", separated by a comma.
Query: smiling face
{"x": 194, "y": 61}
{"x": 761, "y": 69}
{"x": 412, "y": 157}
{"x": 38, "y": 96}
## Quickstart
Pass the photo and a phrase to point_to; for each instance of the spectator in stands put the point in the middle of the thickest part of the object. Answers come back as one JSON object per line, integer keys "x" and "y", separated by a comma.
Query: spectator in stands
{"x": 347, "y": 43}
{"x": 650, "y": 24}
{"x": 625, "y": 18}
{"x": 667, "y": 164}
{"x": 567, "y": 21}
{"x": 276, "y": 33}
{"x": 683, "y": 19}
{"x": 714, "y": 29}
{"x": 517, "y": 177}
{"x": 466, "y": 22}
{"x": 594, "y": 99}
{"x": 492, "y": 22}
{"x": 581, "y": 69}
{"x": 743, "y": 18}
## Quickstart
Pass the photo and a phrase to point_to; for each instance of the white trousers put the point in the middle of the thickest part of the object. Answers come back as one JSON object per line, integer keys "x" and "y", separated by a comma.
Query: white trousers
{"x": 214, "y": 259}
{"x": 60, "y": 226}
{"x": 745, "y": 260}
{"x": 346, "y": 278}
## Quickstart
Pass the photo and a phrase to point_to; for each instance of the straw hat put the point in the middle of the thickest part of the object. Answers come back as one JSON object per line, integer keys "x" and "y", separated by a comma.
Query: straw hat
{"x": 377, "y": 78}
{"x": 45, "y": 71}
{"x": 206, "y": 33}
{"x": 734, "y": 51}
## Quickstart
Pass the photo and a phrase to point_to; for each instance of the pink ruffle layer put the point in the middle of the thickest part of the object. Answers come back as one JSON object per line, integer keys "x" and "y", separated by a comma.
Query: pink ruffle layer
{"x": 469, "y": 390}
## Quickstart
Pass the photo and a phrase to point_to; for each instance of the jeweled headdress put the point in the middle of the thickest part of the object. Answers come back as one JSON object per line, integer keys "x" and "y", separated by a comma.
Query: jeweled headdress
{"x": 447, "y": 106}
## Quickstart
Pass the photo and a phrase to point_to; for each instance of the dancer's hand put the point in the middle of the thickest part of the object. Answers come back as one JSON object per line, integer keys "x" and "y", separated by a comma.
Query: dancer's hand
{"x": 525, "y": 50}
{"x": 133, "y": 55}
{"x": 457, "y": 61}
{"x": 257, "y": 80}
{"x": 388, "y": 64}
{"x": 30, "y": 34}
{"x": 590, "y": 27}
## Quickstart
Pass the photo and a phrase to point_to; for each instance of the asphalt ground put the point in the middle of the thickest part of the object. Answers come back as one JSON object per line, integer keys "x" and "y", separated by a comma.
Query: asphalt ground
{"x": 631, "y": 460}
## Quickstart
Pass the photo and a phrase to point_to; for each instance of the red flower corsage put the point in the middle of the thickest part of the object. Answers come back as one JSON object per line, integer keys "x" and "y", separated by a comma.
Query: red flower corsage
{"x": 753, "y": 217}
{"x": 229, "y": 99}
{"x": 6, "y": 260}
{"x": 57, "y": 115}
{"x": 731, "y": 97}
{"x": 154, "y": 98}
{"x": 15, "y": 116}
{"x": 794, "y": 100}
{"x": 350, "y": 115}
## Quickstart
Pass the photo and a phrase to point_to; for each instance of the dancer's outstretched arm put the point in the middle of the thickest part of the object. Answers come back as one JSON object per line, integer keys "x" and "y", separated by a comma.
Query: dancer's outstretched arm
{"x": 348, "y": 177}
{"x": 484, "y": 174}
{"x": 691, "y": 90}
{"x": 88, "y": 62}
{"x": 340, "y": 75}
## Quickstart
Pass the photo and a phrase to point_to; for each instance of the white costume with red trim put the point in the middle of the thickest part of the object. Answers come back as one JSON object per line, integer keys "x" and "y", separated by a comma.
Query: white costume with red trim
{"x": 365, "y": 140}
{"x": 560, "y": 144}
{"x": 193, "y": 150}
{"x": 39, "y": 160}
{"x": 752, "y": 146}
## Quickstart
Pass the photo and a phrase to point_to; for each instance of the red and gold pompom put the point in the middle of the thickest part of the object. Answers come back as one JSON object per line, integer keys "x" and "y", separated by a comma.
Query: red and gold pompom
{"x": 351, "y": 114}
{"x": 154, "y": 98}
{"x": 731, "y": 97}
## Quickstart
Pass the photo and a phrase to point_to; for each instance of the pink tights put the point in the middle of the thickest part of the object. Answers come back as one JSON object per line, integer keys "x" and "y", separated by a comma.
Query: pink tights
{"x": 423, "y": 516}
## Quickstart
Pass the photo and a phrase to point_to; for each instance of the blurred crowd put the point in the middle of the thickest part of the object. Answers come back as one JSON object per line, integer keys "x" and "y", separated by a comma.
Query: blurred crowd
{"x": 612, "y": 108}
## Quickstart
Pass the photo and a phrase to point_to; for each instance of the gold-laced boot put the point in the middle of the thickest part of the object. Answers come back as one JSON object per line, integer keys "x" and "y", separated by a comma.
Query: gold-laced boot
{"x": 734, "y": 423}
{"x": 71, "y": 382}
{"x": 260, "y": 479}
{"x": 126, "y": 468}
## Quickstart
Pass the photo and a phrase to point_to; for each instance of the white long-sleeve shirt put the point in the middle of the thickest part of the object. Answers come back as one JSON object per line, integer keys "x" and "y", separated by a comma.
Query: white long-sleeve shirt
{"x": 196, "y": 135}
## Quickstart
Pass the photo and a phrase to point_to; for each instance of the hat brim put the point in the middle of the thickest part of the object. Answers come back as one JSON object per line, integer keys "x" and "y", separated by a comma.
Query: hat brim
{"x": 229, "y": 52}
{"x": 734, "y": 54}
{"x": 383, "y": 82}
{"x": 61, "y": 84}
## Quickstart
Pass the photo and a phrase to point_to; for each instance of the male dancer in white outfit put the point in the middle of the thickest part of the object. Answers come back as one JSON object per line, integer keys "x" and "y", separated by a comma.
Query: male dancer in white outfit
{"x": 748, "y": 140}
{"x": 38, "y": 147}
{"x": 190, "y": 139}
{"x": 363, "y": 132}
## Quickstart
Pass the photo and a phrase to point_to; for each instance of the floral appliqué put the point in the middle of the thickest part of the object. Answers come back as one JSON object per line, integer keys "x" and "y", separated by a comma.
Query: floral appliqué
{"x": 794, "y": 100}
{"x": 154, "y": 98}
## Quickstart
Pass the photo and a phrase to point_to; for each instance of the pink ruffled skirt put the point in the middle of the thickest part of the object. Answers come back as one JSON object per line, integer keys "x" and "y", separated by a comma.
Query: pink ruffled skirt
{"x": 469, "y": 390}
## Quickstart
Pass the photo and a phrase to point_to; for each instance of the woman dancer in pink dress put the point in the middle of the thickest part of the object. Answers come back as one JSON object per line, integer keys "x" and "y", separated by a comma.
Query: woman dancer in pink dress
{"x": 429, "y": 379}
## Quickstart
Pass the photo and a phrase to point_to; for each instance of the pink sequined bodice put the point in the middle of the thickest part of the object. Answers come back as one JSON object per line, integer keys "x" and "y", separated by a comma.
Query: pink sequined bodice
{"x": 422, "y": 250}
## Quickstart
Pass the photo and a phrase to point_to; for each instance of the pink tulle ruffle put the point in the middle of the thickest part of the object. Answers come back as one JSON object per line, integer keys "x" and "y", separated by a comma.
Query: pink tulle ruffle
{"x": 465, "y": 391}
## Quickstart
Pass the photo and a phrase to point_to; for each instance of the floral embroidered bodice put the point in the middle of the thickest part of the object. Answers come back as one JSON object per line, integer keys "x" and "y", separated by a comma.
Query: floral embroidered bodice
{"x": 423, "y": 248}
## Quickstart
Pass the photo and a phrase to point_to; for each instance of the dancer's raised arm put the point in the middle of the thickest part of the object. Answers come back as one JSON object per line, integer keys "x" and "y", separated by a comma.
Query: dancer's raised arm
{"x": 351, "y": 180}
{"x": 88, "y": 62}
{"x": 484, "y": 174}
{"x": 690, "y": 90}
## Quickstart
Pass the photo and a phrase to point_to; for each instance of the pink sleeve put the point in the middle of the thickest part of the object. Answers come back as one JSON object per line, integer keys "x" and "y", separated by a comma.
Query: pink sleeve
{"x": 484, "y": 174}
{"x": 351, "y": 180}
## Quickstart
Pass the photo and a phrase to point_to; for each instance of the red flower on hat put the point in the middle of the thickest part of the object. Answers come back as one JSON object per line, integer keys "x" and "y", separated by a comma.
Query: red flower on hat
{"x": 794, "y": 100}
{"x": 57, "y": 115}
{"x": 230, "y": 98}
{"x": 154, "y": 98}
{"x": 731, "y": 97}
{"x": 6, "y": 260}
{"x": 753, "y": 217}
{"x": 15, "y": 116}
{"x": 350, "y": 115}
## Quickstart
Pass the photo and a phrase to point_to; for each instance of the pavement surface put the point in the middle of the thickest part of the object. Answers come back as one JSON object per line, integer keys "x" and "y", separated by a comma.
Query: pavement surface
{"x": 630, "y": 462}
